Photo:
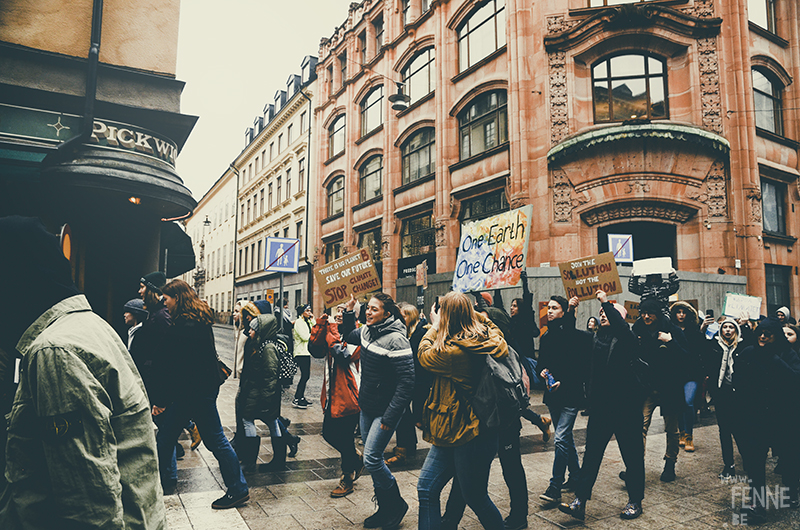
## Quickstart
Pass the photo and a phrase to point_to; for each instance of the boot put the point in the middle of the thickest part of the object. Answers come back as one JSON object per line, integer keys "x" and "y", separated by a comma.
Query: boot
{"x": 278, "y": 462}
{"x": 399, "y": 458}
{"x": 396, "y": 509}
{"x": 669, "y": 471}
{"x": 689, "y": 448}
{"x": 194, "y": 434}
{"x": 577, "y": 509}
{"x": 545, "y": 428}
{"x": 249, "y": 449}
{"x": 682, "y": 438}
{"x": 376, "y": 519}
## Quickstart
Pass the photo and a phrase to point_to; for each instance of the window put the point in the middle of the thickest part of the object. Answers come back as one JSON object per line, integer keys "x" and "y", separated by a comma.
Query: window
{"x": 248, "y": 211}
{"x": 286, "y": 231}
{"x": 253, "y": 257}
{"x": 372, "y": 111}
{"x": 483, "y": 33}
{"x": 336, "y": 196}
{"x": 777, "y": 287}
{"x": 420, "y": 75}
{"x": 629, "y": 87}
{"x": 371, "y": 242}
{"x": 405, "y": 4}
{"x": 302, "y": 122}
{"x": 299, "y": 236}
{"x": 301, "y": 174}
{"x": 257, "y": 164}
{"x": 418, "y": 237}
{"x": 371, "y": 174}
{"x": 244, "y": 175}
{"x": 261, "y": 203}
{"x": 419, "y": 155}
{"x": 378, "y": 23}
{"x": 271, "y": 151}
{"x": 222, "y": 259}
{"x": 768, "y": 101}
{"x": 289, "y": 134}
{"x": 269, "y": 196}
{"x": 343, "y": 66}
{"x": 484, "y": 206}
{"x": 426, "y": 4}
{"x": 330, "y": 80}
{"x": 280, "y": 143}
{"x": 288, "y": 183}
{"x": 258, "y": 255}
{"x": 362, "y": 47}
{"x": 242, "y": 223}
{"x": 773, "y": 206}
{"x": 240, "y": 262}
{"x": 762, "y": 12}
{"x": 246, "y": 261}
{"x": 278, "y": 194}
{"x": 483, "y": 124}
{"x": 336, "y": 136}
{"x": 333, "y": 251}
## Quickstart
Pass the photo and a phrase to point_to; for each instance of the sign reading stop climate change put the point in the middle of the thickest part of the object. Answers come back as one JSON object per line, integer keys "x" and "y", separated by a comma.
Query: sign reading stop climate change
{"x": 493, "y": 251}
{"x": 583, "y": 277}
{"x": 352, "y": 274}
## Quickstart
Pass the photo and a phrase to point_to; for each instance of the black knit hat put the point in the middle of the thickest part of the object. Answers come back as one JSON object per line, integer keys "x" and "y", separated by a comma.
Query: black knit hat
{"x": 154, "y": 281}
{"x": 652, "y": 306}
{"x": 136, "y": 308}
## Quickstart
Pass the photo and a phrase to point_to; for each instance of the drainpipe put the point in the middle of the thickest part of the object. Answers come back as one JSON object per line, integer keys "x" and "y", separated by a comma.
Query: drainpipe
{"x": 310, "y": 271}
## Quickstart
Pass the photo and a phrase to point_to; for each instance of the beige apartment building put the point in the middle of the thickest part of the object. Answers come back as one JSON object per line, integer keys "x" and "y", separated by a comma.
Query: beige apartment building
{"x": 273, "y": 192}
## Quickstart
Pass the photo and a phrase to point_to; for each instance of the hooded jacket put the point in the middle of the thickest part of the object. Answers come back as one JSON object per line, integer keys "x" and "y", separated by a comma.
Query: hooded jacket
{"x": 387, "y": 367}
{"x": 695, "y": 339}
{"x": 448, "y": 418}
{"x": 613, "y": 383}
{"x": 259, "y": 390}
{"x": 565, "y": 352}
{"x": 718, "y": 353}
{"x": 342, "y": 377}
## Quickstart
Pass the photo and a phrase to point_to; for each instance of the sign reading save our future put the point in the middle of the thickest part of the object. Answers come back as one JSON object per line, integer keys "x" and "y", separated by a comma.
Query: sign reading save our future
{"x": 493, "y": 251}
{"x": 352, "y": 274}
{"x": 583, "y": 277}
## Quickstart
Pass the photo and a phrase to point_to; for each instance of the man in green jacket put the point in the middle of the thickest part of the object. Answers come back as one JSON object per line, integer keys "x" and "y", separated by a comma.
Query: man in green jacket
{"x": 80, "y": 451}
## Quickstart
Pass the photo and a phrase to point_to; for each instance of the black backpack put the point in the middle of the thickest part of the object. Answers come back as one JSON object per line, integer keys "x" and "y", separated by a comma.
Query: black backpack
{"x": 500, "y": 395}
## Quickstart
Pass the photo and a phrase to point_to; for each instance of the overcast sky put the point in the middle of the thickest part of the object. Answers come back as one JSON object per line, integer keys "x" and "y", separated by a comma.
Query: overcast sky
{"x": 234, "y": 56}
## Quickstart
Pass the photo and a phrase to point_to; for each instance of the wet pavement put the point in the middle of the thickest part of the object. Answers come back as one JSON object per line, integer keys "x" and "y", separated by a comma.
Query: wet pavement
{"x": 299, "y": 498}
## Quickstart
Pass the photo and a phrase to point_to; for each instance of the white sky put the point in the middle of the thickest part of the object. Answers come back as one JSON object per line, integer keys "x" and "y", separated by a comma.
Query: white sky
{"x": 234, "y": 56}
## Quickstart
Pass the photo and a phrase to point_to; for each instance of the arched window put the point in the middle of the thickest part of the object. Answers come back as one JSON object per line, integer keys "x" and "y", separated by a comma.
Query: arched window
{"x": 628, "y": 87}
{"x": 483, "y": 33}
{"x": 420, "y": 75}
{"x": 419, "y": 155}
{"x": 372, "y": 111}
{"x": 370, "y": 179}
{"x": 336, "y": 134}
{"x": 768, "y": 96}
{"x": 484, "y": 123}
{"x": 336, "y": 196}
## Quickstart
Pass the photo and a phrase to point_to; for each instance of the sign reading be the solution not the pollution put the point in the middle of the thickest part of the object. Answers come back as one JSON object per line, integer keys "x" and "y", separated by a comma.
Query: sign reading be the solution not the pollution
{"x": 352, "y": 274}
{"x": 583, "y": 277}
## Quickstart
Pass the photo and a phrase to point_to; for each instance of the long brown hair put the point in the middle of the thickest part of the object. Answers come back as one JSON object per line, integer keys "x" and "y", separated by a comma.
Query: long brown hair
{"x": 188, "y": 305}
{"x": 410, "y": 315}
{"x": 457, "y": 319}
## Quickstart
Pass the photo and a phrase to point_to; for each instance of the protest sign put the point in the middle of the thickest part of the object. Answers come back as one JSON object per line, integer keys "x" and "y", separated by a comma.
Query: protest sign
{"x": 735, "y": 304}
{"x": 422, "y": 275}
{"x": 583, "y": 277}
{"x": 352, "y": 274}
{"x": 633, "y": 311}
{"x": 493, "y": 251}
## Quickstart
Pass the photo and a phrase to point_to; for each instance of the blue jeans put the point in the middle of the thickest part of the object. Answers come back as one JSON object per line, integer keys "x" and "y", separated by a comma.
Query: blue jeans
{"x": 469, "y": 466}
{"x": 686, "y": 420}
{"x": 566, "y": 456}
{"x": 273, "y": 425}
{"x": 203, "y": 411}
{"x": 375, "y": 442}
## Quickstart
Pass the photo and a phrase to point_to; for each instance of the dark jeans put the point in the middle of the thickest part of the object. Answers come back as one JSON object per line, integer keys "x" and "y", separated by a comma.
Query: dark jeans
{"x": 406, "y": 432}
{"x": 203, "y": 411}
{"x": 470, "y": 464}
{"x": 727, "y": 418}
{"x": 626, "y": 424}
{"x": 304, "y": 364}
{"x": 338, "y": 432}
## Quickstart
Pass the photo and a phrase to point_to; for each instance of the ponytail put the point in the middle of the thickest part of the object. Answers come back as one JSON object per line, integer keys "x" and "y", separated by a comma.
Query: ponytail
{"x": 389, "y": 306}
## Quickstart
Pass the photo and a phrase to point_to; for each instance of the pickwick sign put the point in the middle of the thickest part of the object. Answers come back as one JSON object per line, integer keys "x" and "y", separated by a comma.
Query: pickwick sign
{"x": 352, "y": 274}
{"x": 583, "y": 277}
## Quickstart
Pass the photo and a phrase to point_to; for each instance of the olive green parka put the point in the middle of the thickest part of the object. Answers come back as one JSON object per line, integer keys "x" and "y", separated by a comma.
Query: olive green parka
{"x": 259, "y": 390}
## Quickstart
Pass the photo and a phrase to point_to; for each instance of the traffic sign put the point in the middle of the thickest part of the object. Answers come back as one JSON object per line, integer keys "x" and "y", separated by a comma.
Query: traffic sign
{"x": 281, "y": 254}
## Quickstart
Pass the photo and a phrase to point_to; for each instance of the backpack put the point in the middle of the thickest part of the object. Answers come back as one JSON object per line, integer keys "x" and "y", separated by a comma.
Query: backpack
{"x": 287, "y": 368}
{"x": 500, "y": 395}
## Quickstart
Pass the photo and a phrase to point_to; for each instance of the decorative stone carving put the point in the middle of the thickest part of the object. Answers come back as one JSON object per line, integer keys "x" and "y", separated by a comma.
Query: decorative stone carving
{"x": 638, "y": 187}
{"x": 518, "y": 202}
{"x": 754, "y": 196}
{"x": 668, "y": 212}
{"x": 709, "y": 84}
{"x": 455, "y": 205}
{"x": 714, "y": 192}
{"x": 559, "y": 23}
{"x": 386, "y": 252}
{"x": 441, "y": 233}
{"x": 563, "y": 202}
{"x": 700, "y": 9}
{"x": 559, "y": 126}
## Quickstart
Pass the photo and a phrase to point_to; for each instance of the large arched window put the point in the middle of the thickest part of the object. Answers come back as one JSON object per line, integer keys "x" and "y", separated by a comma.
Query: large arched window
{"x": 336, "y": 196}
{"x": 484, "y": 123}
{"x": 336, "y": 134}
{"x": 483, "y": 33}
{"x": 628, "y": 87}
{"x": 370, "y": 179}
{"x": 420, "y": 75}
{"x": 372, "y": 111}
{"x": 419, "y": 155}
{"x": 768, "y": 96}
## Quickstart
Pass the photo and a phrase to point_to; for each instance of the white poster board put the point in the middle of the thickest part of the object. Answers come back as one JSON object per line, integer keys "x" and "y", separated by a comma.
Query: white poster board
{"x": 736, "y": 303}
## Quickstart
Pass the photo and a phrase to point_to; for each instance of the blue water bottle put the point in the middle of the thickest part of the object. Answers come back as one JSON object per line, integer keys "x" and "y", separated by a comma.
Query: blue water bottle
{"x": 550, "y": 380}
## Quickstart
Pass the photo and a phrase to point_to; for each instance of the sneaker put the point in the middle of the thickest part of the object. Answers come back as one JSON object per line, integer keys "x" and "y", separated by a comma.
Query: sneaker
{"x": 551, "y": 494}
{"x": 292, "y": 445}
{"x": 299, "y": 403}
{"x": 632, "y": 510}
{"x": 576, "y": 509}
{"x": 727, "y": 473}
{"x": 230, "y": 501}
{"x": 305, "y": 402}
{"x": 345, "y": 486}
{"x": 512, "y": 522}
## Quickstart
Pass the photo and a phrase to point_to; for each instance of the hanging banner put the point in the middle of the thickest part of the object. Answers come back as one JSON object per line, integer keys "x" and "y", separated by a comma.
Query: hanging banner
{"x": 493, "y": 251}
{"x": 352, "y": 274}
{"x": 583, "y": 277}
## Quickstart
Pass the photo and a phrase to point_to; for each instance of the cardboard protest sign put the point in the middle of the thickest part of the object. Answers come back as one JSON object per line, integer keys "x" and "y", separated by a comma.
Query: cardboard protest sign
{"x": 493, "y": 251}
{"x": 633, "y": 311}
{"x": 421, "y": 275}
{"x": 583, "y": 277}
{"x": 543, "y": 317}
{"x": 352, "y": 274}
{"x": 735, "y": 304}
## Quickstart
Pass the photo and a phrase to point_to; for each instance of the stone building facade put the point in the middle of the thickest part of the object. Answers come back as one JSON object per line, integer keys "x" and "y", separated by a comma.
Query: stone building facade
{"x": 674, "y": 121}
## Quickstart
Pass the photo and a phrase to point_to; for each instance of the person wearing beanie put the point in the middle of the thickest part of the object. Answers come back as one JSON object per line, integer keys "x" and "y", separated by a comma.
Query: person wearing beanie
{"x": 784, "y": 316}
{"x": 94, "y": 458}
{"x": 134, "y": 314}
{"x": 302, "y": 333}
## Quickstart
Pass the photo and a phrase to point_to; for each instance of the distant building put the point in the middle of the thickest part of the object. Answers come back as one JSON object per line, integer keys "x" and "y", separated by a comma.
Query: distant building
{"x": 674, "y": 121}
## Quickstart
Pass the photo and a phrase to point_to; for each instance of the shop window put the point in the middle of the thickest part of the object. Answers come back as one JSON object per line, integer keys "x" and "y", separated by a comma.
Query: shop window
{"x": 773, "y": 206}
{"x": 768, "y": 96}
{"x": 762, "y": 13}
{"x": 483, "y": 124}
{"x": 483, "y": 33}
{"x": 336, "y": 196}
{"x": 419, "y": 155}
{"x": 418, "y": 237}
{"x": 336, "y": 133}
{"x": 420, "y": 75}
{"x": 777, "y": 287}
{"x": 370, "y": 179}
{"x": 484, "y": 206}
{"x": 628, "y": 87}
{"x": 372, "y": 111}
{"x": 333, "y": 251}
{"x": 371, "y": 242}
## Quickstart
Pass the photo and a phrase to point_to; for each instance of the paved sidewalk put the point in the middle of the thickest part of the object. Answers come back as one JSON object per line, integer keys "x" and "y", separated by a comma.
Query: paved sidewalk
{"x": 300, "y": 497}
